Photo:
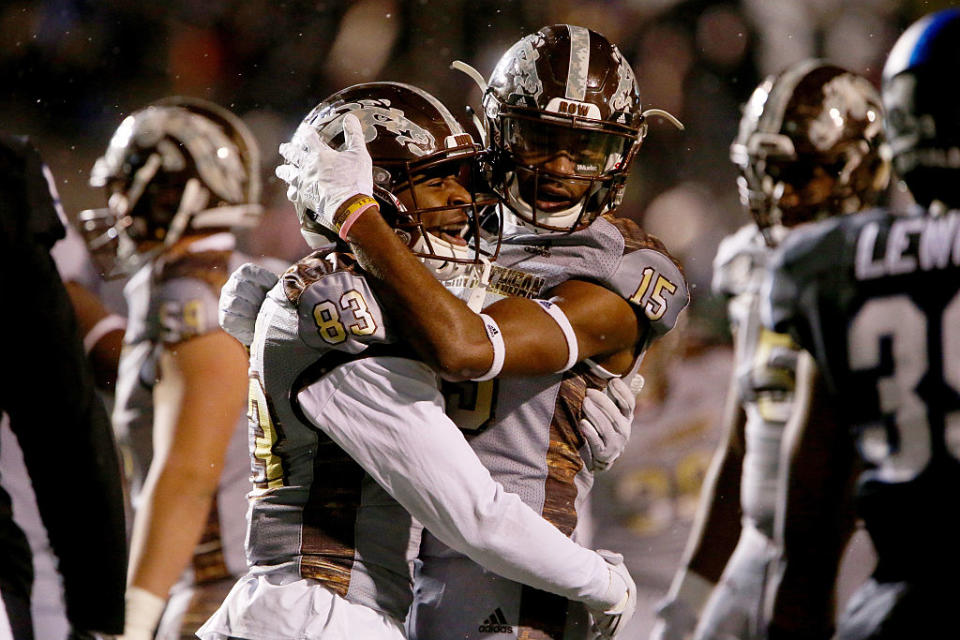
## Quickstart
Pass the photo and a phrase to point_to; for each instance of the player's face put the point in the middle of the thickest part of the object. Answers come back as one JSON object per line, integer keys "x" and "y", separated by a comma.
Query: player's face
{"x": 442, "y": 192}
{"x": 809, "y": 193}
{"x": 557, "y": 151}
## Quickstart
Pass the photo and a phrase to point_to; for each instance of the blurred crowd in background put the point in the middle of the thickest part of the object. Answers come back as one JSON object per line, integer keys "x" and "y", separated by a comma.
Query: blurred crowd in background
{"x": 73, "y": 69}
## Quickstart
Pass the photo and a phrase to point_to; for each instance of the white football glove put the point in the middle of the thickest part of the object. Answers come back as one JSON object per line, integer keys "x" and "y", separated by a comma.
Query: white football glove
{"x": 241, "y": 298}
{"x": 609, "y": 623}
{"x": 321, "y": 179}
{"x": 607, "y": 421}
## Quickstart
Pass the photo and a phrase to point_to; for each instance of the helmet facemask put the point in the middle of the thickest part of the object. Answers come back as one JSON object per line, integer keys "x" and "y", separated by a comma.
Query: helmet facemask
{"x": 556, "y": 174}
{"x": 176, "y": 166}
{"x": 435, "y": 205}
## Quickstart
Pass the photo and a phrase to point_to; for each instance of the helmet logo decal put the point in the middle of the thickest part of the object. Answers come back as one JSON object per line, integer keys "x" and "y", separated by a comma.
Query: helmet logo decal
{"x": 579, "y": 66}
{"x": 520, "y": 75}
{"x": 626, "y": 85}
{"x": 374, "y": 113}
{"x": 844, "y": 97}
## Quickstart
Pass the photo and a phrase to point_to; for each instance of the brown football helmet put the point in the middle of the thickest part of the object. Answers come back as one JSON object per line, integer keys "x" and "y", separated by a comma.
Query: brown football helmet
{"x": 564, "y": 121}
{"x": 411, "y": 137}
{"x": 178, "y": 165}
{"x": 810, "y": 145}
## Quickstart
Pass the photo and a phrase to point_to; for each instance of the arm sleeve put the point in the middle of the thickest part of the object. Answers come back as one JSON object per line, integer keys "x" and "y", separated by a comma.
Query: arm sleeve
{"x": 388, "y": 415}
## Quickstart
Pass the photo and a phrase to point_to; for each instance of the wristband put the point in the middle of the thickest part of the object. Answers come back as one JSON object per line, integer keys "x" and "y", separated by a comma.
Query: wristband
{"x": 143, "y": 613}
{"x": 346, "y": 216}
{"x": 573, "y": 350}
{"x": 496, "y": 339}
{"x": 105, "y": 325}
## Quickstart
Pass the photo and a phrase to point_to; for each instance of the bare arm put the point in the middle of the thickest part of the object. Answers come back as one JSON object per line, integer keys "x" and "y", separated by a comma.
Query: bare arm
{"x": 104, "y": 353}
{"x": 197, "y": 405}
{"x": 716, "y": 527}
{"x": 815, "y": 516}
{"x": 453, "y": 338}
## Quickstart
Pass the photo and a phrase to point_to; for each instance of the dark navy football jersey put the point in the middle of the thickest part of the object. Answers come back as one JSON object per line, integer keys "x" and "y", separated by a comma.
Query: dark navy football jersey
{"x": 875, "y": 297}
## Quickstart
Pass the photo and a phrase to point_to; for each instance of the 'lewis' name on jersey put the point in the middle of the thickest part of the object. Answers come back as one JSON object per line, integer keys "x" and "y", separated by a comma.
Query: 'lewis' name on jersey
{"x": 913, "y": 243}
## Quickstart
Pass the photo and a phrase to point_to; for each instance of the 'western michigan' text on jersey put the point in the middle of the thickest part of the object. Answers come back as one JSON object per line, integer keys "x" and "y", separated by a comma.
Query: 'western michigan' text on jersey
{"x": 526, "y": 430}
{"x": 173, "y": 300}
{"x": 874, "y": 297}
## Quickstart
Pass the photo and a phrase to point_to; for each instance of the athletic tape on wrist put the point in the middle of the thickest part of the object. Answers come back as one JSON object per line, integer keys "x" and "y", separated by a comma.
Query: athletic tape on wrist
{"x": 353, "y": 212}
{"x": 110, "y": 323}
{"x": 143, "y": 611}
{"x": 496, "y": 339}
{"x": 573, "y": 350}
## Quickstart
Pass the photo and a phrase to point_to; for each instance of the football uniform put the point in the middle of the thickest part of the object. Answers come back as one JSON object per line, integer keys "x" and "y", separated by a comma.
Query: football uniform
{"x": 874, "y": 298}
{"x": 171, "y": 300}
{"x": 526, "y": 430}
{"x": 765, "y": 368}
{"x": 350, "y": 448}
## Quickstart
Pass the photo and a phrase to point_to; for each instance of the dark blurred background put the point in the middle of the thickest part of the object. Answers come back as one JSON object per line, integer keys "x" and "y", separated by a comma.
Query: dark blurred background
{"x": 72, "y": 69}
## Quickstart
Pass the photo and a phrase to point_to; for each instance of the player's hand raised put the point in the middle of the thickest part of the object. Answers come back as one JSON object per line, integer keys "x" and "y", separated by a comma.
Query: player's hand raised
{"x": 321, "y": 179}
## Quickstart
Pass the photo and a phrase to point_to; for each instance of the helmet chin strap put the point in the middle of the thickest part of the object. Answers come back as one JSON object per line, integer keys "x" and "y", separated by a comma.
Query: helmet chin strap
{"x": 443, "y": 269}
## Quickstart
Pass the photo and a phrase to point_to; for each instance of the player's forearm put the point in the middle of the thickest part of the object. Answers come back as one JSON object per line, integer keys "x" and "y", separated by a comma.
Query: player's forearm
{"x": 716, "y": 527}
{"x": 447, "y": 333}
{"x": 167, "y": 528}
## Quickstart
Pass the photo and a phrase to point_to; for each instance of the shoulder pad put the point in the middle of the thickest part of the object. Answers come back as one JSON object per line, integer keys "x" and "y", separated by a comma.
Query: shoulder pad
{"x": 339, "y": 311}
{"x": 652, "y": 283}
{"x": 740, "y": 261}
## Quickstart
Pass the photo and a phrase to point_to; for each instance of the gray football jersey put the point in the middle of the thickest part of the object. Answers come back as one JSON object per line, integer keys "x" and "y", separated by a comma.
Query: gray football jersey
{"x": 314, "y": 511}
{"x": 526, "y": 430}
{"x": 169, "y": 301}
{"x": 765, "y": 367}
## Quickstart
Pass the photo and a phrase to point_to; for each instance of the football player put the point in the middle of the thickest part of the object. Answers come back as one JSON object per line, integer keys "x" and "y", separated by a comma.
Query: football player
{"x": 873, "y": 297}
{"x": 565, "y": 122}
{"x": 351, "y": 446}
{"x": 179, "y": 174}
{"x": 810, "y": 146}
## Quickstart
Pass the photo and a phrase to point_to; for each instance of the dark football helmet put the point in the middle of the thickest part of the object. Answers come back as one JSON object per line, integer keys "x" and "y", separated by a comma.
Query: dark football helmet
{"x": 923, "y": 120}
{"x": 810, "y": 145}
{"x": 564, "y": 122}
{"x": 413, "y": 139}
{"x": 176, "y": 166}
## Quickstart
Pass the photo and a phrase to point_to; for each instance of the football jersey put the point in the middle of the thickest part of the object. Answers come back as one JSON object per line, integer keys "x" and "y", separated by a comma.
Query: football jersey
{"x": 525, "y": 430}
{"x": 874, "y": 297}
{"x": 341, "y": 420}
{"x": 765, "y": 368}
{"x": 309, "y": 498}
{"x": 171, "y": 300}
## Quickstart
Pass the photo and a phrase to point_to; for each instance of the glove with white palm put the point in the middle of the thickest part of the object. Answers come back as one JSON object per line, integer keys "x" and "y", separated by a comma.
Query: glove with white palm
{"x": 611, "y": 622}
{"x": 607, "y": 423}
{"x": 321, "y": 180}
{"x": 241, "y": 298}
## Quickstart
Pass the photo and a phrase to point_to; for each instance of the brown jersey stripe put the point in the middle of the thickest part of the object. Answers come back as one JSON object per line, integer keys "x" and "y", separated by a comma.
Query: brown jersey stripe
{"x": 563, "y": 457}
{"x": 328, "y": 536}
